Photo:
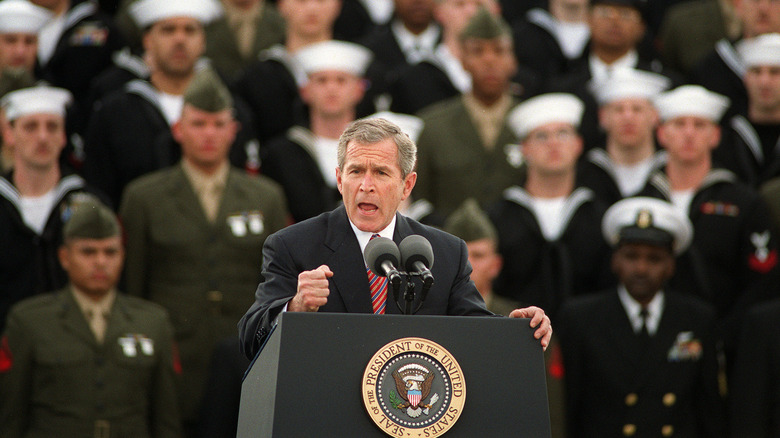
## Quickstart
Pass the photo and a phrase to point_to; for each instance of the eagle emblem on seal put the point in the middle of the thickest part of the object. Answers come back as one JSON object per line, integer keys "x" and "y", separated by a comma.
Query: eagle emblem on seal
{"x": 413, "y": 382}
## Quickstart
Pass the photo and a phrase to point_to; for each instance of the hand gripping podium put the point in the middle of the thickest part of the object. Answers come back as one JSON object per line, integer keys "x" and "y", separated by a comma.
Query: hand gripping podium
{"x": 361, "y": 375}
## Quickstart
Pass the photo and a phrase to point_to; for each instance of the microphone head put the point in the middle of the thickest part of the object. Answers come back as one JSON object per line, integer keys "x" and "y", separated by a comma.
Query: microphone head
{"x": 379, "y": 250}
{"x": 416, "y": 248}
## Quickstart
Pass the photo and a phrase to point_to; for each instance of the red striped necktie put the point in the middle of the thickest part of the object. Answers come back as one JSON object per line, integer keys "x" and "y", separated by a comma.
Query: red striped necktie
{"x": 378, "y": 287}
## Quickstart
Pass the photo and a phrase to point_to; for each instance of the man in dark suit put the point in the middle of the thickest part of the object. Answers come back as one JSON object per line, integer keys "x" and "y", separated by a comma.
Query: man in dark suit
{"x": 317, "y": 264}
{"x": 646, "y": 366}
{"x": 88, "y": 360}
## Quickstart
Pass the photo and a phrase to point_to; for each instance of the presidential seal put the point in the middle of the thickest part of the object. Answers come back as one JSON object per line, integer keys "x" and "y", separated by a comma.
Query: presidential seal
{"x": 413, "y": 387}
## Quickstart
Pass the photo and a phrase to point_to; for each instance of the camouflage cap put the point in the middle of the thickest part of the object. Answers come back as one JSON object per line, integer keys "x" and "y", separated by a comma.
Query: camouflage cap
{"x": 485, "y": 26}
{"x": 207, "y": 92}
{"x": 469, "y": 222}
{"x": 91, "y": 219}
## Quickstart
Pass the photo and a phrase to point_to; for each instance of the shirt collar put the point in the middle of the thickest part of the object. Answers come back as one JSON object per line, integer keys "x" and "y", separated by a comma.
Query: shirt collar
{"x": 235, "y": 14}
{"x": 201, "y": 181}
{"x": 90, "y": 306}
{"x": 415, "y": 47}
{"x": 364, "y": 236}
{"x": 601, "y": 70}
{"x": 633, "y": 309}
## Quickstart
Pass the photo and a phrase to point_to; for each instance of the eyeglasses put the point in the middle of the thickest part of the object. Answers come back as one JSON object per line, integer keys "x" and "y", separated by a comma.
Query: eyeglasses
{"x": 562, "y": 134}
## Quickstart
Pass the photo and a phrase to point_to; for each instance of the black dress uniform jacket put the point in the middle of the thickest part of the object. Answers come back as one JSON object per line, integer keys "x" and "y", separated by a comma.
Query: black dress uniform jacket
{"x": 83, "y": 51}
{"x": 754, "y": 394}
{"x": 732, "y": 261}
{"x": 543, "y": 272}
{"x": 290, "y": 161}
{"x": 28, "y": 261}
{"x": 721, "y": 71}
{"x": 616, "y": 386}
{"x": 597, "y": 172}
{"x": 750, "y": 150}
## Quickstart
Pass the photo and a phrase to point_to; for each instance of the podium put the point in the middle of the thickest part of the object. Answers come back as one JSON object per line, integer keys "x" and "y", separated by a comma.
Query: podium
{"x": 310, "y": 378}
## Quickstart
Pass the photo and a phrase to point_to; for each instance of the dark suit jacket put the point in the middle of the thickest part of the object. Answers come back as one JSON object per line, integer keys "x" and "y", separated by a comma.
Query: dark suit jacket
{"x": 328, "y": 239}
{"x": 615, "y": 384}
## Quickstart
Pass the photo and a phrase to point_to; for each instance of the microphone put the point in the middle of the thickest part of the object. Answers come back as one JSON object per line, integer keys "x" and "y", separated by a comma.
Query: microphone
{"x": 382, "y": 256}
{"x": 417, "y": 256}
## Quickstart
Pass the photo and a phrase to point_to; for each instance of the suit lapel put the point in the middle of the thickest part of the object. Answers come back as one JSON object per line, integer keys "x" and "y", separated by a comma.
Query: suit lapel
{"x": 349, "y": 269}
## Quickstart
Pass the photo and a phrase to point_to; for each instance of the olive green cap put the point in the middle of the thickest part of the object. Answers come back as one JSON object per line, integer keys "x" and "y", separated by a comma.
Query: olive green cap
{"x": 90, "y": 219}
{"x": 207, "y": 92}
{"x": 12, "y": 79}
{"x": 485, "y": 26}
{"x": 469, "y": 222}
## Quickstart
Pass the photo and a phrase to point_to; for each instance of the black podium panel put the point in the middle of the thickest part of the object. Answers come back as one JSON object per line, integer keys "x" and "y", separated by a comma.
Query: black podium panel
{"x": 306, "y": 382}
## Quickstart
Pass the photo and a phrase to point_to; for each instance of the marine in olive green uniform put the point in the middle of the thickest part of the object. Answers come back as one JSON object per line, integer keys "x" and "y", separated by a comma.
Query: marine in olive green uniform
{"x": 466, "y": 149}
{"x": 197, "y": 252}
{"x": 87, "y": 361}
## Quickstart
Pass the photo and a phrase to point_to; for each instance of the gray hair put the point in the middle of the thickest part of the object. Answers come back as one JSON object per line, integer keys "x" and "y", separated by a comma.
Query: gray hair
{"x": 374, "y": 130}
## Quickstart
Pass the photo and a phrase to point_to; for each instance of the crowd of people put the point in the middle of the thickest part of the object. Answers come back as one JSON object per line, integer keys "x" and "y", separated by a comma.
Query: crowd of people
{"x": 615, "y": 163}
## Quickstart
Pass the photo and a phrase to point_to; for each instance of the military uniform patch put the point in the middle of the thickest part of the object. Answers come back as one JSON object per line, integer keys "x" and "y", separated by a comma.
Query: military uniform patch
{"x": 762, "y": 259}
{"x": 89, "y": 34}
{"x": 413, "y": 387}
{"x": 685, "y": 348}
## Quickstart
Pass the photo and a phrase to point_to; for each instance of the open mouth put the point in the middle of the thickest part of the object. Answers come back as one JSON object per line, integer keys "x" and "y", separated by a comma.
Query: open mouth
{"x": 367, "y": 208}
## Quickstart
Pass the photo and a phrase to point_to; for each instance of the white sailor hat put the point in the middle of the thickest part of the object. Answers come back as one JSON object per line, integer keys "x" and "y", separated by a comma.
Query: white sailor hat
{"x": 147, "y": 12}
{"x": 691, "y": 100}
{"x": 628, "y": 83}
{"x": 21, "y": 16}
{"x": 761, "y": 50}
{"x": 35, "y": 100}
{"x": 647, "y": 220}
{"x": 544, "y": 109}
{"x": 410, "y": 125}
{"x": 334, "y": 55}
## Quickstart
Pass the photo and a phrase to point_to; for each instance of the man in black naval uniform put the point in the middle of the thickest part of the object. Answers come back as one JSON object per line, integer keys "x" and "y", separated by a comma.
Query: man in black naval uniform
{"x": 549, "y": 230}
{"x": 270, "y": 85}
{"x": 617, "y": 28}
{"x": 722, "y": 69}
{"x": 410, "y": 37}
{"x": 129, "y": 130}
{"x": 732, "y": 262}
{"x": 74, "y": 47}
{"x": 628, "y": 116}
{"x": 751, "y": 145}
{"x": 88, "y": 361}
{"x": 639, "y": 359}
{"x": 37, "y": 196}
{"x": 303, "y": 161}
